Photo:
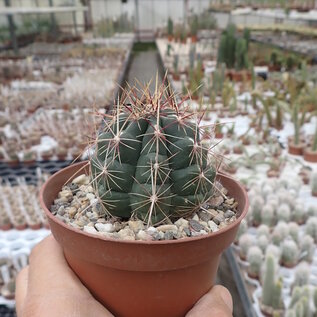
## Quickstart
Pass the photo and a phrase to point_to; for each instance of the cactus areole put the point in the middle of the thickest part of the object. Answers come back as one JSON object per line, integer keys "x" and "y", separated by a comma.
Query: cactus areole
{"x": 149, "y": 162}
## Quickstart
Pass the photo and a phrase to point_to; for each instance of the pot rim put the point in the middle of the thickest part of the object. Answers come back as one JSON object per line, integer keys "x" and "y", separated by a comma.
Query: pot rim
{"x": 140, "y": 242}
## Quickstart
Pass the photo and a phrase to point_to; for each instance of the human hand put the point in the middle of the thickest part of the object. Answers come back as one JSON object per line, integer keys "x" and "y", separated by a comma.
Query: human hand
{"x": 48, "y": 287}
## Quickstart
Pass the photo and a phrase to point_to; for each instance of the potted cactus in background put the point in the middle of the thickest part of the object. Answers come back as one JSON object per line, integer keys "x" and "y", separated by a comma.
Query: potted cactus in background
{"x": 295, "y": 146}
{"x": 175, "y": 73}
{"x": 271, "y": 301}
{"x": 139, "y": 228}
{"x": 310, "y": 153}
{"x": 170, "y": 29}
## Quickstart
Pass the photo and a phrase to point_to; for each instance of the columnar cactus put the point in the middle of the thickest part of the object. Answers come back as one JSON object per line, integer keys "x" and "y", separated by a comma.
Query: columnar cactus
{"x": 149, "y": 161}
{"x": 272, "y": 287}
{"x": 255, "y": 259}
{"x": 262, "y": 242}
{"x": 313, "y": 184}
{"x": 257, "y": 205}
{"x": 263, "y": 230}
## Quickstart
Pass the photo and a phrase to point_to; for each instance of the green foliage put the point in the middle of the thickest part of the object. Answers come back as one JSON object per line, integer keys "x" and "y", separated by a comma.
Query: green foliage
{"x": 241, "y": 54}
{"x": 175, "y": 63}
{"x": 149, "y": 161}
{"x": 196, "y": 76}
{"x": 194, "y": 25}
{"x": 170, "y": 27}
{"x": 247, "y": 36}
{"x": 104, "y": 28}
{"x": 233, "y": 51}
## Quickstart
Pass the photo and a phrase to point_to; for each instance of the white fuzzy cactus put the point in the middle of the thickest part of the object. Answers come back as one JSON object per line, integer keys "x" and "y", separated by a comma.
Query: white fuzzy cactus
{"x": 257, "y": 206}
{"x": 242, "y": 229}
{"x": 307, "y": 248}
{"x": 302, "y": 273}
{"x": 311, "y": 228}
{"x": 255, "y": 260}
{"x": 275, "y": 251}
{"x": 271, "y": 285}
{"x": 293, "y": 230}
{"x": 245, "y": 242}
{"x": 268, "y": 215}
{"x": 280, "y": 232}
{"x": 283, "y": 213}
{"x": 299, "y": 214}
{"x": 262, "y": 242}
{"x": 263, "y": 230}
{"x": 313, "y": 184}
{"x": 312, "y": 211}
{"x": 290, "y": 254}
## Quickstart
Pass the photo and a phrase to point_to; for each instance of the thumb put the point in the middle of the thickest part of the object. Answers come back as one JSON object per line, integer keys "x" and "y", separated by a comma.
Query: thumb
{"x": 216, "y": 303}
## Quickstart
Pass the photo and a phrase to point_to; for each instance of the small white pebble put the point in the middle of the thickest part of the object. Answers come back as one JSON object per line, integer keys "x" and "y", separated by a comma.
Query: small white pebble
{"x": 81, "y": 180}
{"x": 213, "y": 227}
{"x": 195, "y": 217}
{"x": 181, "y": 222}
{"x": 90, "y": 229}
{"x": 105, "y": 227}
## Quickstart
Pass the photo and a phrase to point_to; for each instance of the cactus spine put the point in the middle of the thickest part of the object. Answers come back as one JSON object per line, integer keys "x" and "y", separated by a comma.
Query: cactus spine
{"x": 149, "y": 161}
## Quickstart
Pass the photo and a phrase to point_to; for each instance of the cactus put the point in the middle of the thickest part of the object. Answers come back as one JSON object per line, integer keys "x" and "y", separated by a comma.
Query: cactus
{"x": 302, "y": 274}
{"x": 194, "y": 25}
{"x": 277, "y": 294}
{"x": 257, "y": 205}
{"x": 263, "y": 230}
{"x": 312, "y": 211}
{"x": 307, "y": 248}
{"x": 296, "y": 122}
{"x": 290, "y": 313}
{"x": 299, "y": 213}
{"x": 149, "y": 161}
{"x": 262, "y": 242}
{"x": 241, "y": 54}
{"x": 275, "y": 251}
{"x": 245, "y": 242}
{"x": 192, "y": 56}
{"x": 313, "y": 184}
{"x": 175, "y": 64}
{"x": 170, "y": 27}
{"x": 255, "y": 258}
{"x": 315, "y": 301}
{"x": 290, "y": 253}
{"x": 296, "y": 295}
{"x": 311, "y": 228}
{"x": 272, "y": 287}
{"x": 268, "y": 215}
{"x": 293, "y": 230}
{"x": 283, "y": 213}
{"x": 242, "y": 229}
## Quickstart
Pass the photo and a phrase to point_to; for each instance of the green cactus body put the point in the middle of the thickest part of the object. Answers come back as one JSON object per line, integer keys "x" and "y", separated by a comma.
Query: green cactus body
{"x": 269, "y": 281}
{"x": 277, "y": 294}
{"x": 151, "y": 164}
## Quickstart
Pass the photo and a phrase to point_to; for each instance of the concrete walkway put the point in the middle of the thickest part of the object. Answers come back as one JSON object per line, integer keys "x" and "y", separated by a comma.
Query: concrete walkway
{"x": 144, "y": 67}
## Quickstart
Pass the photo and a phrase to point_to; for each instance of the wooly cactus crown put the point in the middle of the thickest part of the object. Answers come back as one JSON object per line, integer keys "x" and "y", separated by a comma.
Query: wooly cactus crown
{"x": 149, "y": 160}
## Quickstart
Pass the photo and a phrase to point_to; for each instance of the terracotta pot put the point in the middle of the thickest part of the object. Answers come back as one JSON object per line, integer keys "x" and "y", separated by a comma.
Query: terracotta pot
{"x": 295, "y": 149}
{"x": 310, "y": 156}
{"x": 147, "y": 278}
{"x": 219, "y": 135}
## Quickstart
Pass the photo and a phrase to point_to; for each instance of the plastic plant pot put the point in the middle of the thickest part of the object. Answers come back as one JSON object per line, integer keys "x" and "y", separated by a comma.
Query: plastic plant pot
{"x": 142, "y": 278}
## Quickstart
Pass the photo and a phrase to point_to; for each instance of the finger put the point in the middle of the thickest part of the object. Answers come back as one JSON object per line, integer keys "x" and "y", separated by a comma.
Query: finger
{"x": 50, "y": 271}
{"x": 216, "y": 303}
{"x": 21, "y": 289}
